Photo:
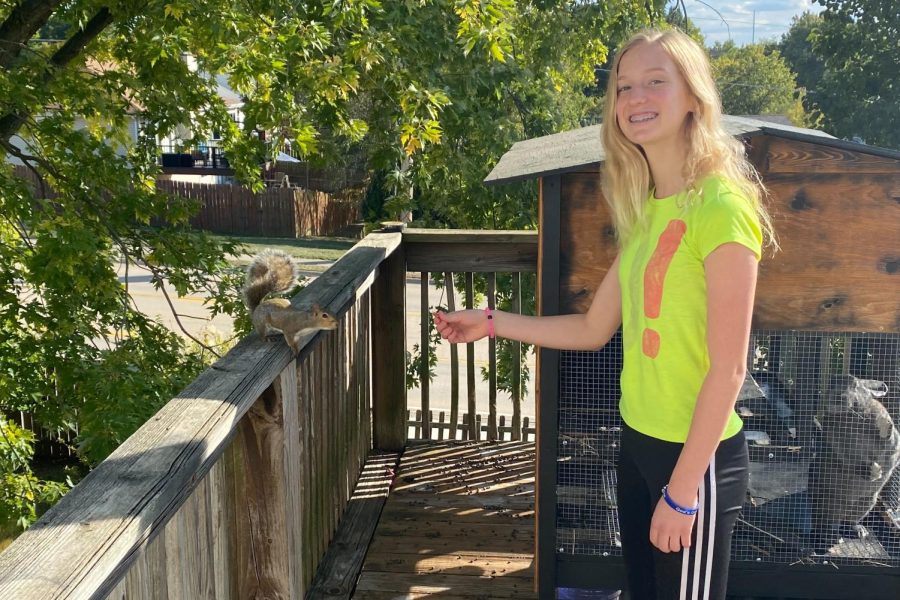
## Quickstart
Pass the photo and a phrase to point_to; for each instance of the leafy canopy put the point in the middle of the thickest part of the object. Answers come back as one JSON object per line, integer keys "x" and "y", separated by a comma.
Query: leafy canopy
{"x": 434, "y": 91}
{"x": 754, "y": 81}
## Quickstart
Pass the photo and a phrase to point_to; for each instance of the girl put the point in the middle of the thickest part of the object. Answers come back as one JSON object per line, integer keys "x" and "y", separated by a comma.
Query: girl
{"x": 686, "y": 206}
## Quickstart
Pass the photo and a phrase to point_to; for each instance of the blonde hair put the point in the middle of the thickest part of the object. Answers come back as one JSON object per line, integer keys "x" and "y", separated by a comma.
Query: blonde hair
{"x": 626, "y": 173}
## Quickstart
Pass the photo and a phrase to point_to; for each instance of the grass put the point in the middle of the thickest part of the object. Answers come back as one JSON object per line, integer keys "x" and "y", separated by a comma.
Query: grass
{"x": 310, "y": 248}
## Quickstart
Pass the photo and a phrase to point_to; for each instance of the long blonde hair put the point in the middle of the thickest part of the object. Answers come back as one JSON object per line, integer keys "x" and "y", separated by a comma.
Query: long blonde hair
{"x": 626, "y": 178}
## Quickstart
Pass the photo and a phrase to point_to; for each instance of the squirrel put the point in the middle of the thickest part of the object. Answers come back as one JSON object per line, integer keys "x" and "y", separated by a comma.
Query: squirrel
{"x": 274, "y": 271}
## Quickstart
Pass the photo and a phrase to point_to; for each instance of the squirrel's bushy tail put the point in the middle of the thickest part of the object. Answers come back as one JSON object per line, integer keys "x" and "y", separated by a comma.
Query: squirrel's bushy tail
{"x": 270, "y": 271}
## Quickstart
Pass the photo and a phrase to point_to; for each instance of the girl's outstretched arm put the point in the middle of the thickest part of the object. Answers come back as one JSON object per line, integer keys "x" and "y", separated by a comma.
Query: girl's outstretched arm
{"x": 588, "y": 331}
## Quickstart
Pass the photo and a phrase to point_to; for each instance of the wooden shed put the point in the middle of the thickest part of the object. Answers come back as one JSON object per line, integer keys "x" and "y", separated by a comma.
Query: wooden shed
{"x": 828, "y": 303}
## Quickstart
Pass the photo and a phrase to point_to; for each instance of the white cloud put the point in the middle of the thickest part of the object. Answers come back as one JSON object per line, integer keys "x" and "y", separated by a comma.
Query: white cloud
{"x": 772, "y": 18}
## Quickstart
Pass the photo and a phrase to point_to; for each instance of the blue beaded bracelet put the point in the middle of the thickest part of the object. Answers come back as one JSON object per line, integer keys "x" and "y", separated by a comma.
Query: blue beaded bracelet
{"x": 675, "y": 506}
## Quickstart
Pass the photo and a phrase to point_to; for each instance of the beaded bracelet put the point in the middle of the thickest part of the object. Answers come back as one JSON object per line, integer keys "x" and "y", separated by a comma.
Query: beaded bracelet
{"x": 675, "y": 506}
{"x": 490, "y": 318}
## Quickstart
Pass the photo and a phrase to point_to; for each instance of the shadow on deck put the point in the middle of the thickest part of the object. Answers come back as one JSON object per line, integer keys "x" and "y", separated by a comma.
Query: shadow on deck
{"x": 458, "y": 524}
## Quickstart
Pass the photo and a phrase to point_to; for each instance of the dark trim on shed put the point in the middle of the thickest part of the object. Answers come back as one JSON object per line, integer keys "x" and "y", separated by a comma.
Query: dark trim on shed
{"x": 548, "y": 401}
{"x": 762, "y": 579}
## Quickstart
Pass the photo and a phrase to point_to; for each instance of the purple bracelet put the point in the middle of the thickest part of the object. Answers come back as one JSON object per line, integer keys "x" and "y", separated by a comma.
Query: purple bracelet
{"x": 675, "y": 506}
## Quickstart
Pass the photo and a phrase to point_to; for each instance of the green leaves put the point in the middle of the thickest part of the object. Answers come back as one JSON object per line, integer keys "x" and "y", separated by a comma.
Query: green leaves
{"x": 487, "y": 24}
{"x": 755, "y": 80}
{"x": 22, "y": 494}
{"x": 846, "y": 59}
{"x": 858, "y": 94}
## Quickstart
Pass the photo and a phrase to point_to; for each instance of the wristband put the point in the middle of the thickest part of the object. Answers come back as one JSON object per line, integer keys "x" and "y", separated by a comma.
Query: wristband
{"x": 675, "y": 506}
{"x": 490, "y": 319}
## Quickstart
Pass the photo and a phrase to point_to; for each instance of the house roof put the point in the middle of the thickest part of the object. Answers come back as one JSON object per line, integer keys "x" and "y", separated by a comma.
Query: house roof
{"x": 230, "y": 97}
{"x": 581, "y": 148}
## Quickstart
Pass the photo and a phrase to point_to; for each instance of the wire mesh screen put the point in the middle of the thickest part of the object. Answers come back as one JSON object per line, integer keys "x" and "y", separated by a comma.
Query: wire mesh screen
{"x": 821, "y": 414}
{"x": 588, "y": 450}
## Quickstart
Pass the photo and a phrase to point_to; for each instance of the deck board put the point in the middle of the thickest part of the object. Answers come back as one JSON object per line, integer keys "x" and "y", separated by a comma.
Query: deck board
{"x": 458, "y": 525}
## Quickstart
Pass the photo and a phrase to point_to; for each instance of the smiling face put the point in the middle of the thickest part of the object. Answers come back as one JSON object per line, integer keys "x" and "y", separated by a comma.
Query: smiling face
{"x": 652, "y": 98}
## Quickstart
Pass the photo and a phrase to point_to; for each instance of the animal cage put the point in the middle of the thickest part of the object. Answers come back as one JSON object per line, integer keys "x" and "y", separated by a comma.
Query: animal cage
{"x": 824, "y": 448}
{"x": 820, "y": 405}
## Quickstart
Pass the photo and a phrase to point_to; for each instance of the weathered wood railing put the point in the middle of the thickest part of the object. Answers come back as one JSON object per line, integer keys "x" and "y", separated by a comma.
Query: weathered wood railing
{"x": 235, "y": 487}
{"x": 447, "y": 252}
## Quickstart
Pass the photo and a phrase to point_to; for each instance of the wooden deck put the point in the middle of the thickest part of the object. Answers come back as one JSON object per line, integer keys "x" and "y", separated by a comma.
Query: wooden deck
{"x": 458, "y": 524}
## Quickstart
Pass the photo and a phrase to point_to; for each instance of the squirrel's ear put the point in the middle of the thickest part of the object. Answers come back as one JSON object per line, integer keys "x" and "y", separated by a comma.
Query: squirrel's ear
{"x": 316, "y": 307}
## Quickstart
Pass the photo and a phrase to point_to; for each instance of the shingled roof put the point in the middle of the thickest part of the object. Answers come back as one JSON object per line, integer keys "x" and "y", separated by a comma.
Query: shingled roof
{"x": 581, "y": 149}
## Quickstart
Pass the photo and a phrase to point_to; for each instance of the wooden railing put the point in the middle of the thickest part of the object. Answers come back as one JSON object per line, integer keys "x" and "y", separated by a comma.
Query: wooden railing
{"x": 448, "y": 252}
{"x": 235, "y": 488}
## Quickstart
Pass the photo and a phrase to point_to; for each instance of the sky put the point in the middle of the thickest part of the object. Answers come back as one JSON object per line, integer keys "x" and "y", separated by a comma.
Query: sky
{"x": 773, "y": 18}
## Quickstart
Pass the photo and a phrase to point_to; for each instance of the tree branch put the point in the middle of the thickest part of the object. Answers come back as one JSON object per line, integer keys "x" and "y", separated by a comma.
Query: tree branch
{"x": 176, "y": 314}
{"x": 21, "y": 24}
{"x": 74, "y": 46}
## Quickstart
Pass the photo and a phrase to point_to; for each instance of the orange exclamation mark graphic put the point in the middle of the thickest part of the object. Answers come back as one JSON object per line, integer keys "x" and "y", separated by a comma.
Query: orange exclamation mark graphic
{"x": 654, "y": 278}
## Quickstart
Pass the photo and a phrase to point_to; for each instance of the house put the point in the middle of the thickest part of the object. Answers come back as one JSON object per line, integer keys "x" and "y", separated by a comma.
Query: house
{"x": 204, "y": 163}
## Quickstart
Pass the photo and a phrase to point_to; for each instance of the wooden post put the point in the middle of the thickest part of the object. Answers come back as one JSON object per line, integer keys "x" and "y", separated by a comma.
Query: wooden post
{"x": 273, "y": 529}
{"x": 424, "y": 371}
{"x": 470, "y": 363}
{"x": 454, "y": 361}
{"x": 547, "y": 390}
{"x": 294, "y": 462}
{"x": 492, "y": 363}
{"x": 388, "y": 319}
{"x": 516, "y": 425}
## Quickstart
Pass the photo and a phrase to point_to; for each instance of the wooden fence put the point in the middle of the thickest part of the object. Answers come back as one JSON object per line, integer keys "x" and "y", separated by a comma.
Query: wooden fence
{"x": 441, "y": 428}
{"x": 236, "y": 210}
{"x": 49, "y": 443}
{"x": 41, "y": 188}
{"x": 277, "y": 212}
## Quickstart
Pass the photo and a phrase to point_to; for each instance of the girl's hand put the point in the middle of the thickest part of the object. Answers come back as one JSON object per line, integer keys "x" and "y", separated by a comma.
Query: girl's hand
{"x": 670, "y": 531}
{"x": 462, "y": 325}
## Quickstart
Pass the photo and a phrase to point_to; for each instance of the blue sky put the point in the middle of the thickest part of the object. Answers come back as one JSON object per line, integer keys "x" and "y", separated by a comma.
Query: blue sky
{"x": 773, "y": 18}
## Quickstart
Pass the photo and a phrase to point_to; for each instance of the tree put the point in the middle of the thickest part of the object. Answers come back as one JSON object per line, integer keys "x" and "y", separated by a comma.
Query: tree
{"x": 434, "y": 90}
{"x": 537, "y": 89}
{"x": 678, "y": 17}
{"x": 859, "y": 93}
{"x": 73, "y": 348}
{"x": 797, "y": 50}
{"x": 753, "y": 83}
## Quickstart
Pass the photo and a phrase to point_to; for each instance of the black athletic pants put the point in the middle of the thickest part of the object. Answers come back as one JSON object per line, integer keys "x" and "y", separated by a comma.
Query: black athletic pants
{"x": 701, "y": 571}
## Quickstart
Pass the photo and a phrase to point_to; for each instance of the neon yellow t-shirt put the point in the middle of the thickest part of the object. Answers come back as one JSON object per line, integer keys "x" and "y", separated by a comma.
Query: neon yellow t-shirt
{"x": 663, "y": 285}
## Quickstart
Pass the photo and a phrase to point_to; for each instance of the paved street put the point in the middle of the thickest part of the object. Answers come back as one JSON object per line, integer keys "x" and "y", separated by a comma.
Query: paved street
{"x": 195, "y": 319}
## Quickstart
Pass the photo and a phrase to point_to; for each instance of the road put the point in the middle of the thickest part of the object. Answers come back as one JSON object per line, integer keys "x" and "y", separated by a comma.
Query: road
{"x": 195, "y": 319}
